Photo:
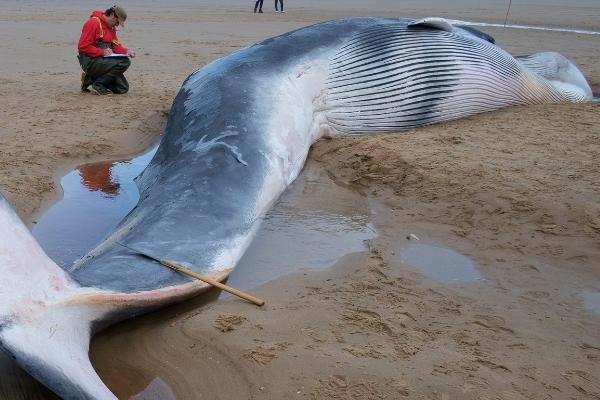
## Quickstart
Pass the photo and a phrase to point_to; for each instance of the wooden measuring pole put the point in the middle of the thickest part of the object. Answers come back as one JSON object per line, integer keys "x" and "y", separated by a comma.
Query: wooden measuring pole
{"x": 239, "y": 293}
{"x": 184, "y": 270}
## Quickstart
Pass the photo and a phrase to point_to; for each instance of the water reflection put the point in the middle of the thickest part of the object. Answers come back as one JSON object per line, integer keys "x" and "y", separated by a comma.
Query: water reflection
{"x": 96, "y": 198}
{"x": 98, "y": 177}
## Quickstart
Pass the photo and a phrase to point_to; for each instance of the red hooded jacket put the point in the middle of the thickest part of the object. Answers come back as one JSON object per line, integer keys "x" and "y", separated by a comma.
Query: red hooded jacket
{"x": 95, "y": 31}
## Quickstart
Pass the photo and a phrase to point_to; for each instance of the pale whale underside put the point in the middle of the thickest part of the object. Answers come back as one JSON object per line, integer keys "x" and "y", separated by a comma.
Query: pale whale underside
{"x": 238, "y": 134}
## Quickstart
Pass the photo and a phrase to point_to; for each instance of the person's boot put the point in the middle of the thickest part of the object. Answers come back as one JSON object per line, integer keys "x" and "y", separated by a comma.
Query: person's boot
{"x": 260, "y": 11}
{"x": 100, "y": 86}
{"x": 86, "y": 81}
{"x": 100, "y": 90}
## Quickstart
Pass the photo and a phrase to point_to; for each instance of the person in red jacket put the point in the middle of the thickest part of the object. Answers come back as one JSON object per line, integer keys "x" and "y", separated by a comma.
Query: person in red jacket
{"x": 101, "y": 56}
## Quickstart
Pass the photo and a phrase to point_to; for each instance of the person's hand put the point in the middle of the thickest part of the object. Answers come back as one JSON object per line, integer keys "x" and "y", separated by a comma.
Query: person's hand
{"x": 131, "y": 53}
{"x": 108, "y": 52}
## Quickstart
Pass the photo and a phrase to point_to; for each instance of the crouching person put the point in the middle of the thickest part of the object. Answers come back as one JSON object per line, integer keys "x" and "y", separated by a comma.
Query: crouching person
{"x": 101, "y": 56}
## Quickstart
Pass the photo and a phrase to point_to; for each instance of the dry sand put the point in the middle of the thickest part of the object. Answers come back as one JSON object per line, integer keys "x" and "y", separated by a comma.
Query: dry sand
{"x": 515, "y": 190}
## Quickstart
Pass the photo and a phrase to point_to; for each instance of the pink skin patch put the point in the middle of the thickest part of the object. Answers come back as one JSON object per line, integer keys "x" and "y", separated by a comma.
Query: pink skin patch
{"x": 56, "y": 283}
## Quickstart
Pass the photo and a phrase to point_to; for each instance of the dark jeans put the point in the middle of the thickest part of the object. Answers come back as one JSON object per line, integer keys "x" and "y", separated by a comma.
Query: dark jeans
{"x": 258, "y": 4}
{"x": 107, "y": 72}
{"x": 280, "y": 3}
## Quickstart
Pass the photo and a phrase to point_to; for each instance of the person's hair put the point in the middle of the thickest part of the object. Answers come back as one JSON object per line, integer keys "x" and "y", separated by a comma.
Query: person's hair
{"x": 109, "y": 11}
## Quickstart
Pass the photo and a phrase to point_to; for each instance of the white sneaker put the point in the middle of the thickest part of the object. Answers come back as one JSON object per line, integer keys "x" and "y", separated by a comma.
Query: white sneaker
{"x": 282, "y": 11}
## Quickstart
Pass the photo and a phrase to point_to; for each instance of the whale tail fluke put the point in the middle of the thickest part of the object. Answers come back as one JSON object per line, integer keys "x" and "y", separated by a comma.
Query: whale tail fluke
{"x": 53, "y": 348}
{"x": 51, "y": 341}
{"x": 47, "y": 319}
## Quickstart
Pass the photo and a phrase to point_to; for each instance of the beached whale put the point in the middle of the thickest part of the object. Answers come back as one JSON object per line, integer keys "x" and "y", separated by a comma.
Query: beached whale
{"x": 238, "y": 134}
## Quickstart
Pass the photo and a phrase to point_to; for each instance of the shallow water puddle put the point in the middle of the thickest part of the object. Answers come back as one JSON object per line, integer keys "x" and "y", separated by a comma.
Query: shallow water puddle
{"x": 440, "y": 263}
{"x": 96, "y": 198}
{"x": 312, "y": 226}
{"x": 591, "y": 301}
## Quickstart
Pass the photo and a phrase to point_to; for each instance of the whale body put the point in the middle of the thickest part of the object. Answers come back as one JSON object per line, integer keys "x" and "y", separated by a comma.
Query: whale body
{"x": 238, "y": 134}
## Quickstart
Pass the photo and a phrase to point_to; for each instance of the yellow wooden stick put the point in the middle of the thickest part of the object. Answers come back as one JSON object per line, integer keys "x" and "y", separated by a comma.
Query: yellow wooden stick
{"x": 184, "y": 270}
{"x": 239, "y": 293}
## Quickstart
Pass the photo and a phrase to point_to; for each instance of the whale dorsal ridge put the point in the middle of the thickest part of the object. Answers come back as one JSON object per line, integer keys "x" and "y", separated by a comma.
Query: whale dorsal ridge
{"x": 445, "y": 25}
{"x": 434, "y": 22}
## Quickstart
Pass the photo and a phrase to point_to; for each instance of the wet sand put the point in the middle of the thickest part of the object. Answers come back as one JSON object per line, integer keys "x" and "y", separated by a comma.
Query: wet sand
{"x": 516, "y": 191}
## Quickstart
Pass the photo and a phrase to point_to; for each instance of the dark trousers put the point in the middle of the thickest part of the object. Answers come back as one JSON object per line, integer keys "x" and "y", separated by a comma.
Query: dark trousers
{"x": 280, "y": 3}
{"x": 107, "y": 72}
{"x": 258, "y": 4}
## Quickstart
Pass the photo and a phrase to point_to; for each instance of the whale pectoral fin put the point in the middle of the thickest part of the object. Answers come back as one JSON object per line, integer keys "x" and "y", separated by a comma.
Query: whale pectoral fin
{"x": 51, "y": 341}
{"x": 433, "y": 22}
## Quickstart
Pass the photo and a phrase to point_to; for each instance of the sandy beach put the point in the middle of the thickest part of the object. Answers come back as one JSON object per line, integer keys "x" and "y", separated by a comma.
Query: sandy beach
{"x": 516, "y": 191}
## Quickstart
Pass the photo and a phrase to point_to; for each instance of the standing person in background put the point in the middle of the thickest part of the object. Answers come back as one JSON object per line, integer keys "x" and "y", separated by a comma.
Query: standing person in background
{"x": 281, "y": 4}
{"x": 101, "y": 55}
{"x": 258, "y": 4}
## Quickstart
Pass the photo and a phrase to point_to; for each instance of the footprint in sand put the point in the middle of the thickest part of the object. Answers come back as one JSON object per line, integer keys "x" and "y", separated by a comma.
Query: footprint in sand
{"x": 494, "y": 323}
{"x": 228, "y": 322}
{"x": 583, "y": 383}
{"x": 264, "y": 354}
